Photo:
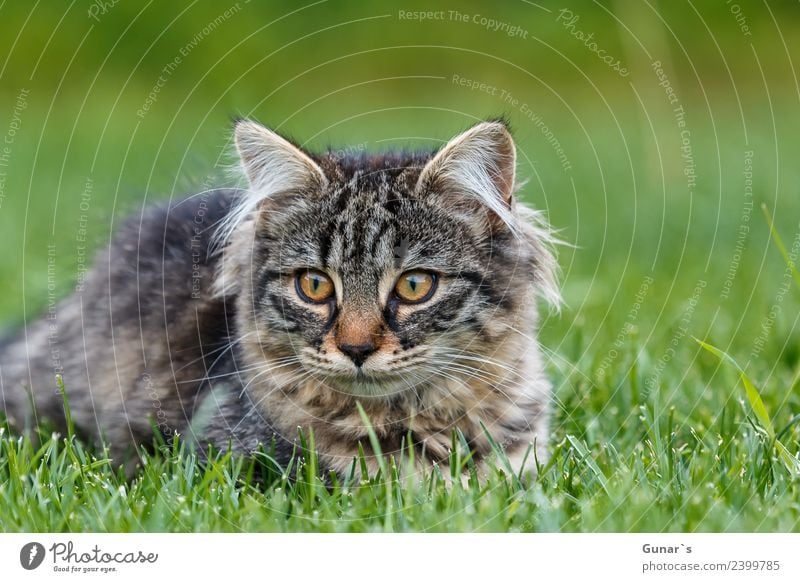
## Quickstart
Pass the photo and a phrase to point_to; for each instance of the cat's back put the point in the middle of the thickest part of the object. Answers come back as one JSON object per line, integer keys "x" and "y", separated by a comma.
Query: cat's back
{"x": 169, "y": 243}
{"x": 160, "y": 266}
{"x": 133, "y": 338}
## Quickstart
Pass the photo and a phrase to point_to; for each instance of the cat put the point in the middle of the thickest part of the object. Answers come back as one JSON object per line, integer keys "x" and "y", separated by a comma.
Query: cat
{"x": 403, "y": 282}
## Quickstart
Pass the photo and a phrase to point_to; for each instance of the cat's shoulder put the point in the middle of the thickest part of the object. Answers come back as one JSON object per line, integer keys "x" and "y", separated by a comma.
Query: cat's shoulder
{"x": 178, "y": 221}
{"x": 175, "y": 229}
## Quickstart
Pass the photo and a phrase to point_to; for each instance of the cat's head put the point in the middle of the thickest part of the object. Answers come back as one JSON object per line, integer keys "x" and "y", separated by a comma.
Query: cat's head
{"x": 378, "y": 273}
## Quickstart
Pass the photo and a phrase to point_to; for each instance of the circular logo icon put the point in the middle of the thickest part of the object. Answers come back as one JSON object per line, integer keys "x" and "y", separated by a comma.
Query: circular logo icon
{"x": 31, "y": 555}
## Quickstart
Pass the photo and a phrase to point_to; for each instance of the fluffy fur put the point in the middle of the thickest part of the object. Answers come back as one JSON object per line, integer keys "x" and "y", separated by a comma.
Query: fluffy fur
{"x": 191, "y": 320}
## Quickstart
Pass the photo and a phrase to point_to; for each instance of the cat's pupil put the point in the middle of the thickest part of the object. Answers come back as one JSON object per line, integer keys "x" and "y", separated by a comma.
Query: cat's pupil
{"x": 412, "y": 282}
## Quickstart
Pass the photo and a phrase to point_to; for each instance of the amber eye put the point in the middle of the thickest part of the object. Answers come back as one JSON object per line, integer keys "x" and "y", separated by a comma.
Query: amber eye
{"x": 415, "y": 286}
{"x": 314, "y": 286}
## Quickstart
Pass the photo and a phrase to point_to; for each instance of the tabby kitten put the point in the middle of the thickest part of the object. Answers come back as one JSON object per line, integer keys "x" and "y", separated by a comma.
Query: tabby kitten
{"x": 406, "y": 282}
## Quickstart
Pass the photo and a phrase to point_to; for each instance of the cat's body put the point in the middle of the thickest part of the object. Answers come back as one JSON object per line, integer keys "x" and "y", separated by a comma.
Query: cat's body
{"x": 239, "y": 316}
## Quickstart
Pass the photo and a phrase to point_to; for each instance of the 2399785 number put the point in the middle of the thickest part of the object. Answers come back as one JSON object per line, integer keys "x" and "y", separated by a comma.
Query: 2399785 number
{"x": 750, "y": 565}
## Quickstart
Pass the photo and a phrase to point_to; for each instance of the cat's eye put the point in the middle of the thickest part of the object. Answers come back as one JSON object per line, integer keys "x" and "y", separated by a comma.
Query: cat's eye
{"x": 415, "y": 286}
{"x": 314, "y": 286}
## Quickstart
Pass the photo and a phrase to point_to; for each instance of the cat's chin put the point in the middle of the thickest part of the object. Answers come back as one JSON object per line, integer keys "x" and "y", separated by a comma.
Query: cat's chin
{"x": 372, "y": 385}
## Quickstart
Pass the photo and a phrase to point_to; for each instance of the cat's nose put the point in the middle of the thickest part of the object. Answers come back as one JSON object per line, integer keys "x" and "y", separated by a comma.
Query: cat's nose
{"x": 358, "y": 352}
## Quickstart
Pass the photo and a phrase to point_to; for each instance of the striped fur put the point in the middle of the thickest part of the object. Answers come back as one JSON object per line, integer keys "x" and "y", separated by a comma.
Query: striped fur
{"x": 245, "y": 360}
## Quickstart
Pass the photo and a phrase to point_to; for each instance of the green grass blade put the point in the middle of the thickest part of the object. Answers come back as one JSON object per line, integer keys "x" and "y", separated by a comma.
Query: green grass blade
{"x": 373, "y": 441}
{"x": 753, "y": 397}
{"x": 585, "y": 457}
{"x": 67, "y": 414}
{"x": 385, "y": 475}
{"x": 757, "y": 404}
{"x": 776, "y": 238}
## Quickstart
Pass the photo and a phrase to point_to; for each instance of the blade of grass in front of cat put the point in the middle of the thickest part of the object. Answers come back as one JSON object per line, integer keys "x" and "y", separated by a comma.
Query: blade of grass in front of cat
{"x": 384, "y": 474}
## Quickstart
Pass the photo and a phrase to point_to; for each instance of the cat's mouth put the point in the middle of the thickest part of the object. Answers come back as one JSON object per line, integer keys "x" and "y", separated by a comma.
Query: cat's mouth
{"x": 380, "y": 377}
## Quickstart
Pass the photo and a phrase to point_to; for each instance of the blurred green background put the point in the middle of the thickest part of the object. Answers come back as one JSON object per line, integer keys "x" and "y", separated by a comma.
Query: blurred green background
{"x": 107, "y": 106}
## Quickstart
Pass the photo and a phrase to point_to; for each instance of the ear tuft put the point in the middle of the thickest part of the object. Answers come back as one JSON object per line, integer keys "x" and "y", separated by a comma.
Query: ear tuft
{"x": 479, "y": 164}
{"x": 273, "y": 165}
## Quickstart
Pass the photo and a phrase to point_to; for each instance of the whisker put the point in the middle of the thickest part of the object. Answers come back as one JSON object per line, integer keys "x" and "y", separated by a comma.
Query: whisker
{"x": 267, "y": 370}
{"x": 228, "y": 345}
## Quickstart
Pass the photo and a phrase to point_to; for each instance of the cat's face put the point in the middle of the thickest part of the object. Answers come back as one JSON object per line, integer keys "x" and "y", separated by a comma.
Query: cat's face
{"x": 377, "y": 274}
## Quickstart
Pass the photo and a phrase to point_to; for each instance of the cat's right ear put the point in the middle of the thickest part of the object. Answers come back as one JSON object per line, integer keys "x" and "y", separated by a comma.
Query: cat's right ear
{"x": 271, "y": 163}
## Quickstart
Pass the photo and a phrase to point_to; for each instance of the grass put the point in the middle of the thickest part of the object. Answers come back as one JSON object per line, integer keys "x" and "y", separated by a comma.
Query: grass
{"x": 720, "y": 475}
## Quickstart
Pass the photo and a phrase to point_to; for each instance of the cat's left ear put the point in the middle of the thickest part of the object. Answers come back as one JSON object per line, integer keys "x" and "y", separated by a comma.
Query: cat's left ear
{"x": 272, "y": 163}
{"x": 274, "y": 168}
{"x": 476, "y": 167}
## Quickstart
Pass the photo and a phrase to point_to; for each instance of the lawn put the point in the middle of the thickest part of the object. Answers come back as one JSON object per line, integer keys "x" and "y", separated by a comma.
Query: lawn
{"x": 655, "y": 179}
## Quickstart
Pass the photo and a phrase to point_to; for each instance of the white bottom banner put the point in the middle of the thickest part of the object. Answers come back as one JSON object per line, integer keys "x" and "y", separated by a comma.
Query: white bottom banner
{"x": 388, "y": 557}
